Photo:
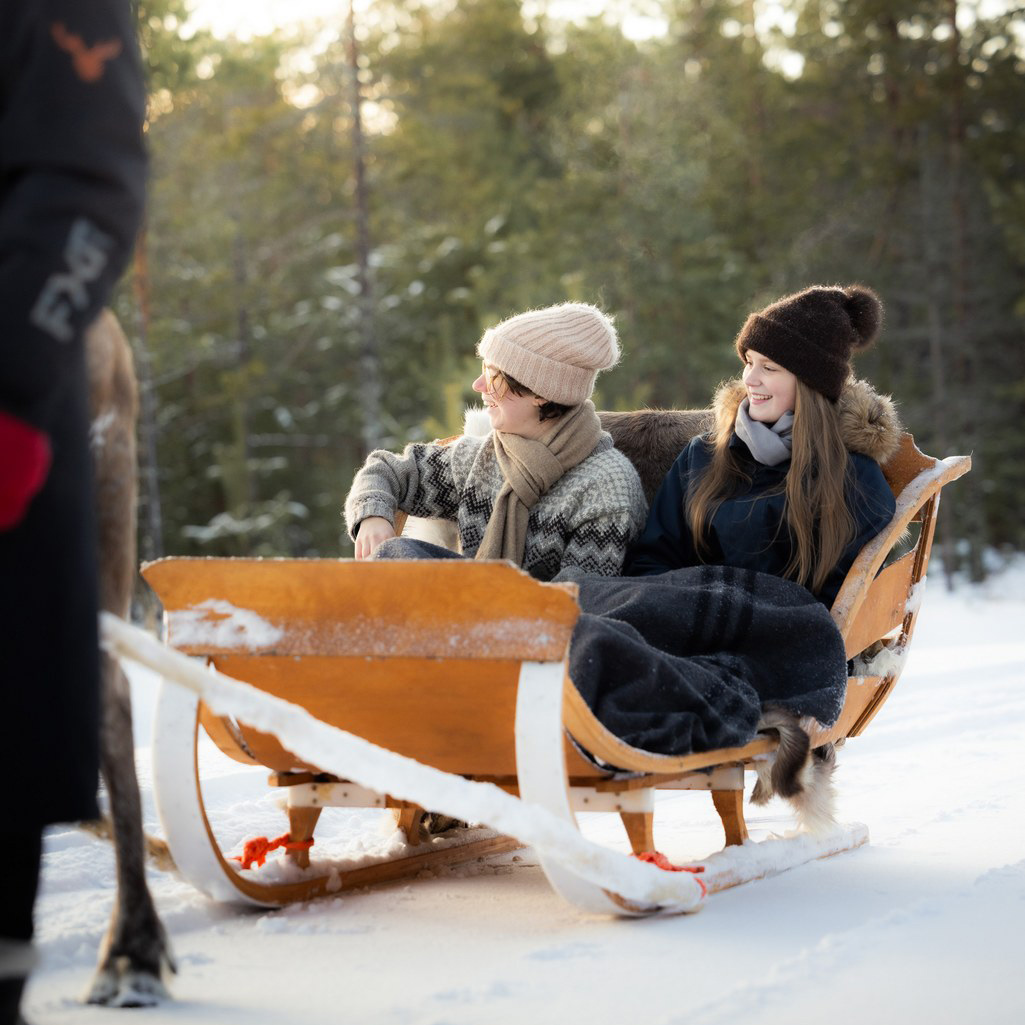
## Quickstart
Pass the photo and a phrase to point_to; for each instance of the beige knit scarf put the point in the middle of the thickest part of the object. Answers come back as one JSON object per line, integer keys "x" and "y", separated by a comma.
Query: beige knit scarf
{"x": 530, "y": 467}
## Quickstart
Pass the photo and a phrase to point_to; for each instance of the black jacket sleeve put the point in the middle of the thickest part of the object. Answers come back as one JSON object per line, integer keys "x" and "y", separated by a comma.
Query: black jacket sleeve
{"x": 72, "y": 183}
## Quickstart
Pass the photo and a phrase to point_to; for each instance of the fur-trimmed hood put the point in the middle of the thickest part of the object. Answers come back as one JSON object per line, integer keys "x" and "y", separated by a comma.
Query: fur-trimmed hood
{"x": 868, "y": 421}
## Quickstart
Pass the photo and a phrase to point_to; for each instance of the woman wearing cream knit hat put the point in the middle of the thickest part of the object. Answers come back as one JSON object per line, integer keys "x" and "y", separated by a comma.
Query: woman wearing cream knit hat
{"x": 545, "y": 488}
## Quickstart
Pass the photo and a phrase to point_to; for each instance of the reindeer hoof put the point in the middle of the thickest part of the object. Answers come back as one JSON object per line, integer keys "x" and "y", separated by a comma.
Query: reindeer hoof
{"x": 122, "y": 986}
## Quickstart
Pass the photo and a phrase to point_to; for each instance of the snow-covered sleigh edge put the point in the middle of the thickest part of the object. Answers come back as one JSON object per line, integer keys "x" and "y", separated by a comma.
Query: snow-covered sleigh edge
{"x": 462, "y": 667}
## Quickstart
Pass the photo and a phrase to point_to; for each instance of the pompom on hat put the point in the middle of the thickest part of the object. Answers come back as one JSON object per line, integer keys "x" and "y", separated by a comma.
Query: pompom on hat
{"x": 814, "y": 333}
{"x": 556, "y": 352}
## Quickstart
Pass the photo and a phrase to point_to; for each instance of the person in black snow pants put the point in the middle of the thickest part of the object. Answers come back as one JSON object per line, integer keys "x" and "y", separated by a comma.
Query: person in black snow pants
{"x": 72, "y": 187}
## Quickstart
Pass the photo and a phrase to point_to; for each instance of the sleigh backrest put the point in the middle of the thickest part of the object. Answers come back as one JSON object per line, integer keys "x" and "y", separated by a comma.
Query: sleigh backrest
{"x": 877, "y": 606}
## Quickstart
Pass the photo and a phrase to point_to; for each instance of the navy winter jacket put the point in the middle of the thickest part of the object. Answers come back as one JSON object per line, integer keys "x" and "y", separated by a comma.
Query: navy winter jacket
{"x": 745, "y": 531}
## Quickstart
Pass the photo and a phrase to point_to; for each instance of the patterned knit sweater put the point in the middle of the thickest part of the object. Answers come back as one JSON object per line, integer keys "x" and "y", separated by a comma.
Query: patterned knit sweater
{"x": 586, "y": 519}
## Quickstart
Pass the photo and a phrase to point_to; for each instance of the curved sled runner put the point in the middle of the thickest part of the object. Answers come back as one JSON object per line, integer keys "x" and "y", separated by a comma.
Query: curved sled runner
{"x": 462, "y": 666}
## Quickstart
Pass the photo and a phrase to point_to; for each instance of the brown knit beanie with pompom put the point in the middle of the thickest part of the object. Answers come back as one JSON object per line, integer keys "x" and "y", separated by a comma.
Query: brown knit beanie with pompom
{"x": 813, "y": 333}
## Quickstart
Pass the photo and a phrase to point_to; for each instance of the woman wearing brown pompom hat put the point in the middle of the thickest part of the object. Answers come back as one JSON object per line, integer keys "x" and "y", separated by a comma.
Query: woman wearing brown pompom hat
{"x": 788, "y": 482}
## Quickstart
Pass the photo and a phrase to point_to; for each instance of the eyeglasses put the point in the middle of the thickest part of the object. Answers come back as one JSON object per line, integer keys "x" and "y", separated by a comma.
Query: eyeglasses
{"x": 494, "y": 380}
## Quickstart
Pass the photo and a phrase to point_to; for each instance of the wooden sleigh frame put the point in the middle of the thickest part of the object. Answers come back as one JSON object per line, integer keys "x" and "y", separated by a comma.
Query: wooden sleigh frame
{"x": 463, "y": 667}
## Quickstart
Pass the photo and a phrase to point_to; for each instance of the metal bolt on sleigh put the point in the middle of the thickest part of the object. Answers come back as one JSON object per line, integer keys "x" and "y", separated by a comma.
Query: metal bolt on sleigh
{"x": 445, "y": 685}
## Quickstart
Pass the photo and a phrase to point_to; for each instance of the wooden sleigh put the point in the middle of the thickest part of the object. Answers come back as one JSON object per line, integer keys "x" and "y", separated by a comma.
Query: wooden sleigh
{"x": 463, "y": 666}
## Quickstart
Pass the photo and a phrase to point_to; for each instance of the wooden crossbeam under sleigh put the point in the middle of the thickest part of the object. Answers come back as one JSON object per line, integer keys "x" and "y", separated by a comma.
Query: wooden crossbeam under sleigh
{"x": 463, "y": 666}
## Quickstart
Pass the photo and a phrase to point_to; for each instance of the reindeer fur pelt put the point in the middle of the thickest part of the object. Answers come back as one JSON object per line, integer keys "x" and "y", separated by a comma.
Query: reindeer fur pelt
{"x": 652, "y": 439}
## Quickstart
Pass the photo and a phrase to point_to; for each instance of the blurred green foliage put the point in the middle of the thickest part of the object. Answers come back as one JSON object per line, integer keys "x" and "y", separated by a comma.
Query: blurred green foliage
{"x": 513, "y": 162}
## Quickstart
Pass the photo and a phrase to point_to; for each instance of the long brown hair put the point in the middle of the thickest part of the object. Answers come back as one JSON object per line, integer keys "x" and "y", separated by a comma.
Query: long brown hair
{"x": 815, "y": 507}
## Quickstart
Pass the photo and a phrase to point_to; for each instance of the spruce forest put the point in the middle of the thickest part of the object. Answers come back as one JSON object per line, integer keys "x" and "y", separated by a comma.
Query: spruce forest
{"x": 337, "y": 214}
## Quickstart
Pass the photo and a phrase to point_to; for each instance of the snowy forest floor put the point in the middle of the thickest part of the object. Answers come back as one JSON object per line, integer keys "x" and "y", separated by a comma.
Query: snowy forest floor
{"x": 921, "y": 925}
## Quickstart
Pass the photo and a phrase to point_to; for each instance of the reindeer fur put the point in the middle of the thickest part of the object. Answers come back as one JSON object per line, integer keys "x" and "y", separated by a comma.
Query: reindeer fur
{"x": 796, "y": 772}
{"x": 135, "y": 949}
{"x": 652, "y": 439}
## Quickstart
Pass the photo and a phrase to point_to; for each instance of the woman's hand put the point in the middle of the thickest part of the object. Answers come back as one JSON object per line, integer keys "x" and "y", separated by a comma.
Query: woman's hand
{"x": 372, "y": 531}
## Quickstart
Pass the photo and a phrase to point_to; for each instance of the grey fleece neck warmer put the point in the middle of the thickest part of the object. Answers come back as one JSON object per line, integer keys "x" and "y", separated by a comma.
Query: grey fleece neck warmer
{"x": 769, "y": 445}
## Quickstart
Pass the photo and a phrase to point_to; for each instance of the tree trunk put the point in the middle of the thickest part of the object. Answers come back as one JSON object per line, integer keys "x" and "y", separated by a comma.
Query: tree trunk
{"x": 936, "y": 290}
{"x": 369, "y": 359}
{"x": 239, "y": 486}
{"x": 963, "y": 347}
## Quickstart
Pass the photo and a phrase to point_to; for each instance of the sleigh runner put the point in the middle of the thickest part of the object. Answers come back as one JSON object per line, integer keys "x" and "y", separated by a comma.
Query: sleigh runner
{"x": 462, "y": 667}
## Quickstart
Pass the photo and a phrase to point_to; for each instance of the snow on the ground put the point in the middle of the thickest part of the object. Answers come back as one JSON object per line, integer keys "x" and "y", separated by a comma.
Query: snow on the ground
{"x": 921, "y": 925}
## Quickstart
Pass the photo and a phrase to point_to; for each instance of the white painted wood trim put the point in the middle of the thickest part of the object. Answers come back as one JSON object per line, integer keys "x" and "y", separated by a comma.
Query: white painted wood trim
{"x": 734, "y": 866}
{"x": 725, "y": 777}
{"x": 333, "y": 795}
{"x": 179, "y": 801}
{"x": 541, "y": 771}
{"x": 589, "y": 799}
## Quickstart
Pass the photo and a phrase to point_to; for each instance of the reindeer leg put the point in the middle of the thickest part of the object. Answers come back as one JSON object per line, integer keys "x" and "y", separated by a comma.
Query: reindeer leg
{"x": 135, "y": 948}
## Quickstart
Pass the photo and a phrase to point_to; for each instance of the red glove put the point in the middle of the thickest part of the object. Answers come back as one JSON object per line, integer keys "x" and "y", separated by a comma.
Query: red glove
{"x": 24, "y": 464}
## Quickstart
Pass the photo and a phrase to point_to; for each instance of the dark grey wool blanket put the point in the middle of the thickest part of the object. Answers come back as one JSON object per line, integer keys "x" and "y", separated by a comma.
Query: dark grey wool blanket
{"x": 685, "y": 661}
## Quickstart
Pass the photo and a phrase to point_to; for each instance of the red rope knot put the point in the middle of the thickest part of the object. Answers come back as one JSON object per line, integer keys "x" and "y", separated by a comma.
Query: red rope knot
{"x": 257, "y": 849}
{"x": 659, "y": 860}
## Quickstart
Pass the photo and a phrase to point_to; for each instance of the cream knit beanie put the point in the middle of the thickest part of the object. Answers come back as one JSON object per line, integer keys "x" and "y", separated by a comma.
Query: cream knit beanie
{"x": 556, "y": 352}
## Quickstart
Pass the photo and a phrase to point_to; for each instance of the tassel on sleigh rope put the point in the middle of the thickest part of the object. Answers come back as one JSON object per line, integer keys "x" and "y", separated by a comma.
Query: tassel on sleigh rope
{"x": 256, "y": 850}
{"x": 351, "y": 757}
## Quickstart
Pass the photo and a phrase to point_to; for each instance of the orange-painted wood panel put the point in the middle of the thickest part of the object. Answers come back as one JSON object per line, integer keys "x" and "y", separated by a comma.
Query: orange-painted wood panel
{"x": 455, "y": 714}
{"x": 884, "y": 606}
{"x": 427, "y": 609}
{"x": 906, "y": 464}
